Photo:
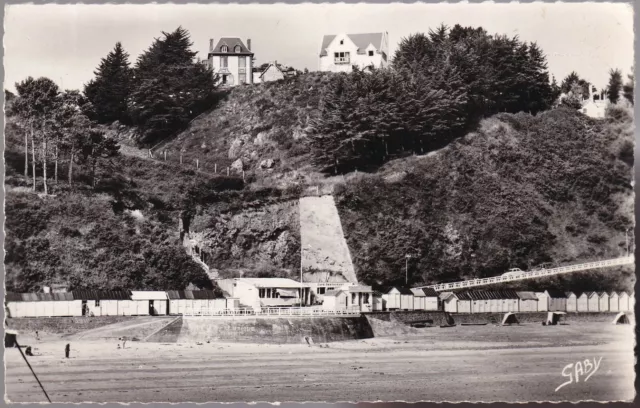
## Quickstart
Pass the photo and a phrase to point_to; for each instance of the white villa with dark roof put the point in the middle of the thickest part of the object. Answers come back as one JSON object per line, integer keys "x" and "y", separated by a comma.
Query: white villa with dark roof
{"x": 231, "y": 61}
{"x": 339, "y": 53}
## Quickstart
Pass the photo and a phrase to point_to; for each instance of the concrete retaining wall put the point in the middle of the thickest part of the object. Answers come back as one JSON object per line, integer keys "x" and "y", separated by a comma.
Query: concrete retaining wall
{"x": 536, "y": 317}
{"x": 62, "y": 325}
{"x": 264, "y": 330}
{"x": 435, "y": 318}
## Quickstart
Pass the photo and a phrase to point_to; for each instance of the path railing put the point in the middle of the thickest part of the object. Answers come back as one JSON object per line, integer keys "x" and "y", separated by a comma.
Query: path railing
{"x": 271, "y": 311}
{"x": 534, "y": 274}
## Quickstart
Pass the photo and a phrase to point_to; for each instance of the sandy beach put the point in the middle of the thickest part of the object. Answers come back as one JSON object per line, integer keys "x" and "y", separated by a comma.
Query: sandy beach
{"x": 463, "y": 363}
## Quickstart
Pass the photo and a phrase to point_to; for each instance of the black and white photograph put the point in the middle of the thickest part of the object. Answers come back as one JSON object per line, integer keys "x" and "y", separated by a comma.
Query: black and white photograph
{"x": 319, "y": 202}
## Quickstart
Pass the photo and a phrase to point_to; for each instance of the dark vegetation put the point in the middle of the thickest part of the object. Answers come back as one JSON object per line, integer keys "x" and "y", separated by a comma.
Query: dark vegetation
{"x": 521, "y": 191}
{"x": 440, "y": 86}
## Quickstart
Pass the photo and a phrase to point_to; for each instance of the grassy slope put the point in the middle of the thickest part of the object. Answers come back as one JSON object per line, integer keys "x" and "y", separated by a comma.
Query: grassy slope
{"x": 521, "y": 191}
{"x": 255, "y": 123}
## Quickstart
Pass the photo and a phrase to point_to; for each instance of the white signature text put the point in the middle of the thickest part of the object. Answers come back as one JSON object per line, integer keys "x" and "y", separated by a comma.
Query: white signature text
{"x": 576, "y": 372}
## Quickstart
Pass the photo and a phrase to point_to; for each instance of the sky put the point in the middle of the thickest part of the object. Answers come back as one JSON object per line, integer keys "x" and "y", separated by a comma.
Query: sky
{"x": 66, "y": 42}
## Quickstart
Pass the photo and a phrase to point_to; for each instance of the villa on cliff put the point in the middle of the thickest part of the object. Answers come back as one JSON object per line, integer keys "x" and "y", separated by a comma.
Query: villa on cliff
{"x": 231, "y": 61}
{"x": 341, "y": 52}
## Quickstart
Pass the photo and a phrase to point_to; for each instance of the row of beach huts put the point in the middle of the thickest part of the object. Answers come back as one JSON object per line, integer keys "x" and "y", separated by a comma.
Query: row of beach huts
{"x": 486, "y": 301}
{"x": 115, "y": 303}
{"x": 352, "y": 298}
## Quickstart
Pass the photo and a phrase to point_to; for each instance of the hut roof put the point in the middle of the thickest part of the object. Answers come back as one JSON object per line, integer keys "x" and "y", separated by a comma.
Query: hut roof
{"x": 402, "y": 290}
{"x": 447, "y": 295}
{"x": 488, "y": 294}
{"x": 527, "y": 295}
{"x": 424, "y": 292}
{"x": 89, "y": 294}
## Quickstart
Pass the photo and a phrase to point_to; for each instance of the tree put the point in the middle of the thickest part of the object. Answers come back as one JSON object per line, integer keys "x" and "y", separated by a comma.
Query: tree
{"x": 37, "y": 102}
{"x": 111, "y": 88}
{"x": 94, "y": 148}
{"x": 573, "y": 78}
{"x": 614, "y": 86}
{"x": 169, "y": 87}
{"x": 627, "y": 88}
{"x": 573, "y": 99}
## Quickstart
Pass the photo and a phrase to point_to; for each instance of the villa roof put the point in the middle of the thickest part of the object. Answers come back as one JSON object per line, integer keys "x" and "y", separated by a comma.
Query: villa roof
{"x": 361, "y": 41}
{"x": 231, "y": 43}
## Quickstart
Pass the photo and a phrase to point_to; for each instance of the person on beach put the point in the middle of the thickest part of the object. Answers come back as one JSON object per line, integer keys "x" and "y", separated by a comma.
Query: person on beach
{"x": 37, "y": 335}
{"x": 28, "y": 351}
{"x": 67, "y": 349}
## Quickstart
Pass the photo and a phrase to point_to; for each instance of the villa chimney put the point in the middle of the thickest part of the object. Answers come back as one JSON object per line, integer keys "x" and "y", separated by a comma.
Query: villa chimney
{"x": 211, "y": 45}
{"x": 249, "y": 43}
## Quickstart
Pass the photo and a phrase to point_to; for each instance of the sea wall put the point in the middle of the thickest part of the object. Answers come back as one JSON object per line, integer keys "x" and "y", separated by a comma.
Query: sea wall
{"x": 62, "y": 325}
{"x": 536, "y": 317}
{"x": 264, "y": 330}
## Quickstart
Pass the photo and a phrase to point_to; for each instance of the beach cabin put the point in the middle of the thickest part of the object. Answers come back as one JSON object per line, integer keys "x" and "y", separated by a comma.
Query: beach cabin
{"x": 572, "y": 301}
{"x": 360, "y": 297}
{"x": 449, "y": 301}
{"x": 582, "y": 304}
{"x": 258, "y": 293}
{"x": 425, "y": 299}
{"x": 104, "y": 302}
{"x": 378, "y": 303}
{"x": 623, "y": 301}
{"x": 398, "y": 298}
{"x": 464, "y": 302}
{"x": 543, "y": 301}
{"x": 593, "y": 302}
{"x": 195, "y": 302}
{"x": 614, "y": 302}
{"x": 527, "y": 302}
{"x": 557, "y": 300}
{"x": 603, "y": 301}
{"x": 335, "y": 300}
{"x": 153, "y": 303}
{"x": 42, "y": 305}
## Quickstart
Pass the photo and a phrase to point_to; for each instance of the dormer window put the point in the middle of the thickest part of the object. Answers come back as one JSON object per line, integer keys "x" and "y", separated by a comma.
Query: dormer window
{"x": 238, "y": 48}
{"x": 224, "y": 48}
{"x": 341, "y": 42}
{"x": 371, "y": 53}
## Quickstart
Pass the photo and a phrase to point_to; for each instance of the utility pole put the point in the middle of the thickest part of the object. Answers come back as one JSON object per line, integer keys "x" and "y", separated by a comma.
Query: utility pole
{"x": 406, "y": 269}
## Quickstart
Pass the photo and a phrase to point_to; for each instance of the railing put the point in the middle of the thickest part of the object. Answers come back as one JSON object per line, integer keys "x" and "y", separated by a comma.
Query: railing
{"x": 272, "y": 311}
{"x": 535, "y": 274}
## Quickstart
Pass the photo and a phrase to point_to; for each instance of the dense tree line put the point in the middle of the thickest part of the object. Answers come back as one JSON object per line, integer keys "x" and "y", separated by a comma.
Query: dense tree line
{"x": 440, "y": 86}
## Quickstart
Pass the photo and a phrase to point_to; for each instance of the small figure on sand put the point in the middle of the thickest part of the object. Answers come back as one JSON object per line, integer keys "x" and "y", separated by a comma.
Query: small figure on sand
{"x": 28, "y": 351}
{"x": 67, "y": 349}
{"x": 37, "y": 335}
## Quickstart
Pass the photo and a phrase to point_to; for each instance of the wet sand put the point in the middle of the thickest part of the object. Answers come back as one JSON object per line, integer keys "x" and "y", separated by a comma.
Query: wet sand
{"x": 463, "y": 363}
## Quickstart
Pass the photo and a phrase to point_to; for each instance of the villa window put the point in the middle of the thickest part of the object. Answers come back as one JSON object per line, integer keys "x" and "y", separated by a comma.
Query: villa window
{"x": 365, "y": 298}
{"x": 321, "y": 291}
{"x": 224, "y": 48}
{"x": 242, "y": 62}
{"x": 238, "y": 48}
{"x": 242, "y": 78}
{"x": 341, "y": 57}
{"x": 97, "y": 303}
{"x": 371, "y": 53}
{"x": 224, "y": 62}
{"x": 341, "y": 42}
{"x": 353, "y": 298}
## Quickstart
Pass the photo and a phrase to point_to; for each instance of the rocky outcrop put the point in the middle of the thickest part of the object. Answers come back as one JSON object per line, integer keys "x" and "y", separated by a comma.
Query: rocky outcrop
{"x": 264, "y": 238}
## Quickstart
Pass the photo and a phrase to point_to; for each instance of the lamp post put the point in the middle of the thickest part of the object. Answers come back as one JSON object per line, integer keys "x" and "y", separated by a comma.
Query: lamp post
{"x": 406, "y": 269}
